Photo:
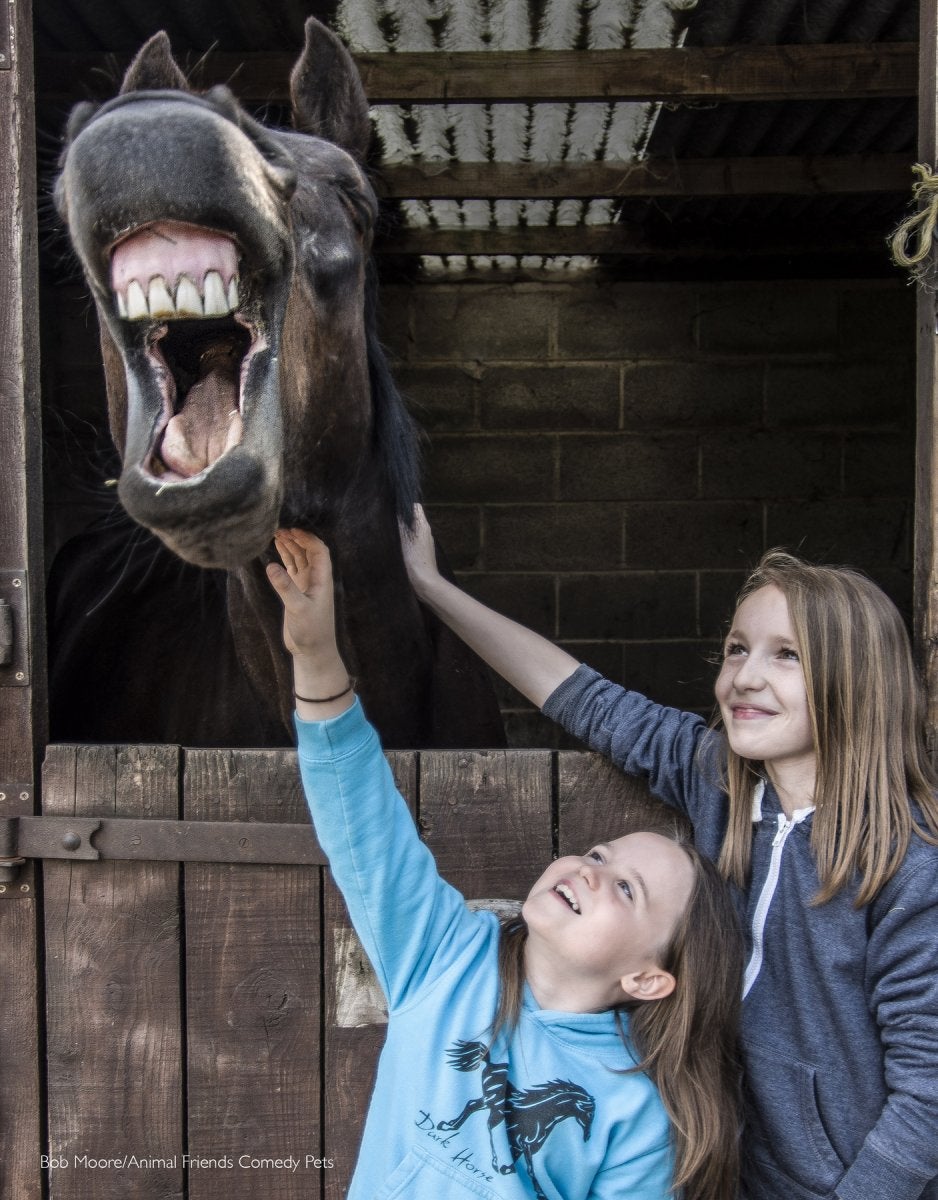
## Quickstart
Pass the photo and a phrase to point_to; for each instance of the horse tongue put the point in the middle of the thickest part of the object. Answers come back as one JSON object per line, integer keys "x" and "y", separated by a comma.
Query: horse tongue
{"x": 207, "y": 426}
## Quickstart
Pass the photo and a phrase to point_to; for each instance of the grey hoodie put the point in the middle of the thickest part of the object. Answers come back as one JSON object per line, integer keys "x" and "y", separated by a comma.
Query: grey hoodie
{"x": 840, "y": 1017}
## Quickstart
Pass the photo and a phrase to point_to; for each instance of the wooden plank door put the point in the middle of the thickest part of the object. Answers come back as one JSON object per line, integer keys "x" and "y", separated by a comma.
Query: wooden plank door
{"x": 22, "y": 669}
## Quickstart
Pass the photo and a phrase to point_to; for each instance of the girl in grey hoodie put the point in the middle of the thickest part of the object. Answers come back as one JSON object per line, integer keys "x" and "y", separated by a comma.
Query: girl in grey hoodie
{"x": 813, "y": 793}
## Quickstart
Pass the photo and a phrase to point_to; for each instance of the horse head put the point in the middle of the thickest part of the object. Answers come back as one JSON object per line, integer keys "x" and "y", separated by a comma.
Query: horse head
{"x": 230, "y": 268}
{"x": 228, "y": 265}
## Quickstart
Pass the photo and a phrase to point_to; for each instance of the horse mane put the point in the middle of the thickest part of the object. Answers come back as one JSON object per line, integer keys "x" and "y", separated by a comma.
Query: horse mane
{"x": 551, "y": 1091}
{"x": 396, "y": 436}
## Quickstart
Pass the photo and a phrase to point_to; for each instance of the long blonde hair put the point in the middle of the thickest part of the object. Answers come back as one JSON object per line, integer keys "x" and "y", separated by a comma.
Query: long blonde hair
{"x": 866, "y": 706}
{"x": 687, "y": 1042}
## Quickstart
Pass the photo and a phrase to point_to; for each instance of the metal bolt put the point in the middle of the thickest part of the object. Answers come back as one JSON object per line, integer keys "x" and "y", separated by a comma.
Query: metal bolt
{"x": 24, "y": 795}
{"x": 20, "y": 676}
{"x": 3, "y": 888}
{"x": 24, "y": 887}
{"x": 16, "y": 582}
{"x": 71, "y": 841}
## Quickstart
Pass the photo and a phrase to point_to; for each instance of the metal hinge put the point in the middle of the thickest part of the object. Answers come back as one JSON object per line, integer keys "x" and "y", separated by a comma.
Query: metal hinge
{"x": 6, "y": 37}
{"x": 127, "y": 838}
{"x": 14, "y": 629}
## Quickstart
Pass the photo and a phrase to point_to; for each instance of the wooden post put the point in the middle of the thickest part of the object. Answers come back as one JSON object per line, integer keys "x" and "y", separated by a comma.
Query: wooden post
{"x": 926, "y": 482}
{"x": 22, "y": 670}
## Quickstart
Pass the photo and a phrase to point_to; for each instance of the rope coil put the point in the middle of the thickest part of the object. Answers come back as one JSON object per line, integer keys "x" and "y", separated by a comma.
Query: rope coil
{"x": 911, "y": 243}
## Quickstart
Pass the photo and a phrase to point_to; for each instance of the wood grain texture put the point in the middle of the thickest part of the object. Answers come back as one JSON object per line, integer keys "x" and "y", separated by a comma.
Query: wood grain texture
{"x": 596, "y": 802}
{"x": 253, "y": 945}
{"x": 22, "y": 708}
{"x": 487, "y": 816}
{"x": 801, "y": 72}
{"x": 791, "y": 175}
{"x": 114, "y": 1037}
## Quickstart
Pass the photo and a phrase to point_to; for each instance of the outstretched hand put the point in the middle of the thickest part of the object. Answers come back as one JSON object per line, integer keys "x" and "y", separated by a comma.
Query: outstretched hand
{"x": 419, "y": 552}
{"x": 304, "y": 585}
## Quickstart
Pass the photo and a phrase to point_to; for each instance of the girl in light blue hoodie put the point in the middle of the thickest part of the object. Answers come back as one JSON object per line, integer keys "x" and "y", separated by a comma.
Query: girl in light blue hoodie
{"x": 583, "y": 1051}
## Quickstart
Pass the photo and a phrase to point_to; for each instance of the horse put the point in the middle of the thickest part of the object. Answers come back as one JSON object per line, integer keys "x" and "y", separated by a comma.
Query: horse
{"x": 230, "y": 266}
{"x": 529, "y": 1114}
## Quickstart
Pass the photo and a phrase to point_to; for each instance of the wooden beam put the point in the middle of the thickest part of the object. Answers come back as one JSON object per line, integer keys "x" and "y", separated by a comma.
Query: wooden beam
{"x": 22, "y": 682}
{"x": 615, "y": 240}
{"x": 710, "y": 73}
{"x": 781, "y": 175}
{"x": 926, "y": 481}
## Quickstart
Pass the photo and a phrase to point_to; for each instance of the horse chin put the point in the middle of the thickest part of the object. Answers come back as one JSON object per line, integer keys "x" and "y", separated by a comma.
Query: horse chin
{"x": 222, "y": 518}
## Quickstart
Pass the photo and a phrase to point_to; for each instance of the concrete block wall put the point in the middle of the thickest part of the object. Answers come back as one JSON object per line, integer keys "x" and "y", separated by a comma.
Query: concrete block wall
{"x": 604, "y": 461}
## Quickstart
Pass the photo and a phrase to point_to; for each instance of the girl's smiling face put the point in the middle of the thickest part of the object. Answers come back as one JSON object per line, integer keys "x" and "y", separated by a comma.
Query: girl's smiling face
{"x": 599, "y": 922}
{"x": 761, "y": 688}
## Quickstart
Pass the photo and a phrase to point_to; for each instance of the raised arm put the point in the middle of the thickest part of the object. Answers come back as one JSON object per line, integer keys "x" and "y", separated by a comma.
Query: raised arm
{"x": 410, "y": 921}
{"x": 531, "y": 663}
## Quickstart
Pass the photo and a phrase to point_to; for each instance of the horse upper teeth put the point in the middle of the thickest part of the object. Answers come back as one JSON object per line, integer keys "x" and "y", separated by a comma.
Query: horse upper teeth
{"x": 188, "y": 300}
{"x": 216, "y": 301}
{"x": 136, "y": 302}
{"x": 568, "y": 895}
{"x": 157, "y": 303}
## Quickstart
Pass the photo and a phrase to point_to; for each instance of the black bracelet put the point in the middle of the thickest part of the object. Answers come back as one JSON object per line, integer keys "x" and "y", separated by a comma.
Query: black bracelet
{"x": 327, "y": 699}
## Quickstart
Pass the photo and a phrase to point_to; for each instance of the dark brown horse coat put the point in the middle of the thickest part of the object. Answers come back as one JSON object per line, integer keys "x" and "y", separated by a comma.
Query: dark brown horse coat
{"x": 229, "y": 264}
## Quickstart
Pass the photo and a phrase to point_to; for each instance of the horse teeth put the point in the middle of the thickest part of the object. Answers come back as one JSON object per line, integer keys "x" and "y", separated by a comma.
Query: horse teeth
{"x": 233, "y": 294}
{"x": 188, "y": 300}
{"x": 159, "y": 301}
{"x": 136, "y": 302}
{"x": 121, "y": 306}
{"x": 216, "y": 299}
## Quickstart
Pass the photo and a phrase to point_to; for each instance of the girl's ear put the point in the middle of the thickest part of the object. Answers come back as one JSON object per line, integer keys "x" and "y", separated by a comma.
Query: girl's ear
{"x": 653, "y": 984}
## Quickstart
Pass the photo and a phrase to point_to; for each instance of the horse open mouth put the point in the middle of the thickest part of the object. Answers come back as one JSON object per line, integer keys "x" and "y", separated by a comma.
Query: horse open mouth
{"x": 181, "y": 284}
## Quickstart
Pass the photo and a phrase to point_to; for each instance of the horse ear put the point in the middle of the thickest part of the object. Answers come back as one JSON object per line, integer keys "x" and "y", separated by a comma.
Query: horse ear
{"x": 328, "y": 97}
{"x": 154, "y": 69}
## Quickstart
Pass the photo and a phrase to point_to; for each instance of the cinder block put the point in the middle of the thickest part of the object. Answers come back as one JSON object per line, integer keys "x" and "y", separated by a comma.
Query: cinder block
{"x": 628, "y": 605}
{"x": 769, "y": 318}
{"x": 483, "y": 324}
{"x": 441, "y": 399}
{"x": 717, "y": 600}
{"x": 863, "y": 533}
{"x": 528, "y": 599}
{"x": 628, "y": 467}
{"x": 877, "y": 317}
{"x": 693, "y": 534}
{"x": 604, "y": 657}
{"x": 528, "y": 729}
{"x": 679, "y": 674}
{"x": 556, "y": 397}
{"x": 691, "y": 394}
{"x": 626, "y": 320}
{"x": 458, "y": 531}
{"x": 471, "y": 469}
{"x": 879, "y": 464}
{"x": 865, "y": 393}
{"x": 759, "y": 464}
{"x": 552, "y": 537}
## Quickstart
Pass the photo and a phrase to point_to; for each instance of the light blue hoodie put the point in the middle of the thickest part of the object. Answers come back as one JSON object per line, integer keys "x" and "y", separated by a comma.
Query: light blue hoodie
{"x": 544, "y": 1114}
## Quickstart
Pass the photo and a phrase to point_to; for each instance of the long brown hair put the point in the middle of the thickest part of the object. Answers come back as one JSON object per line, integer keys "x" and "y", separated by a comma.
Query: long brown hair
{"x": 867, "y": 713}
{"x": 686, "y": 1042}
